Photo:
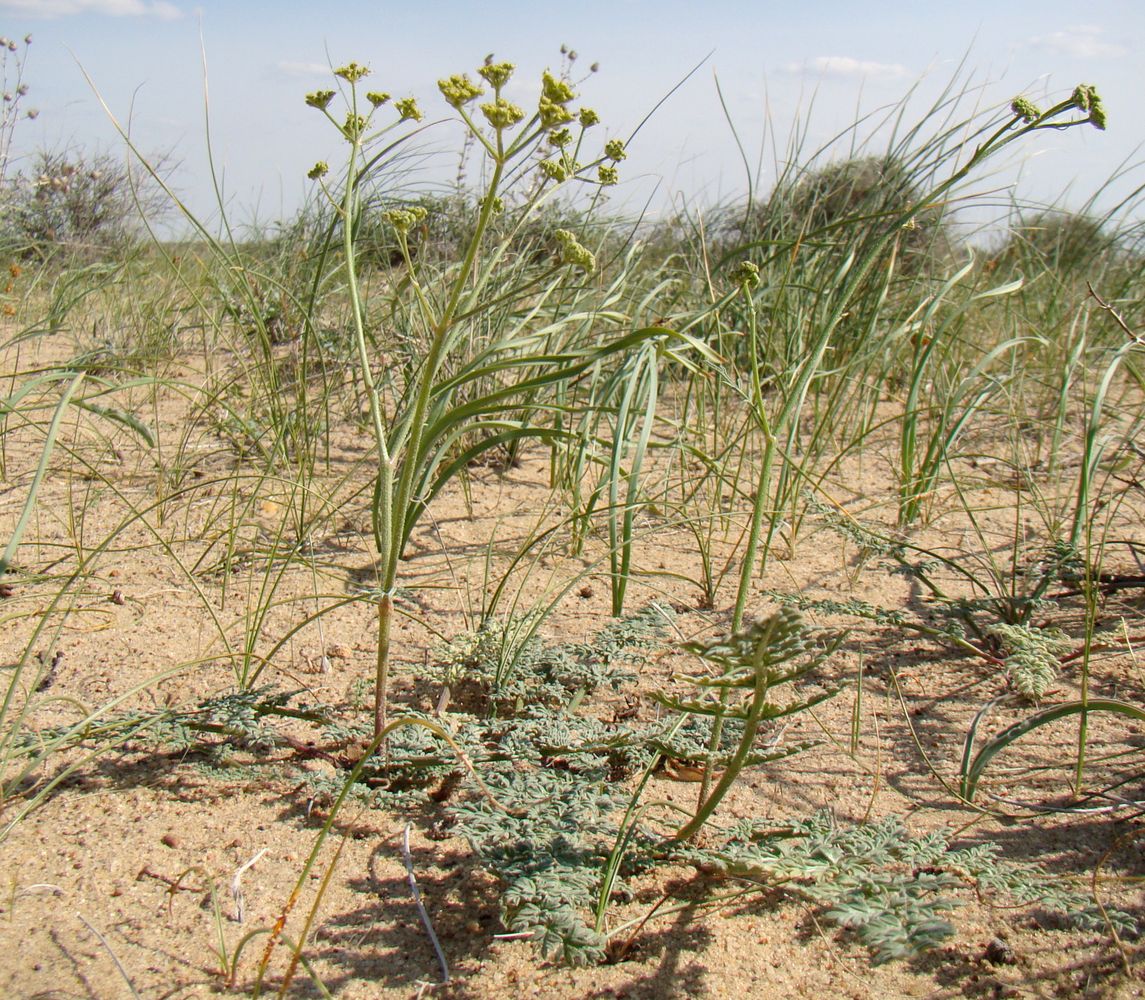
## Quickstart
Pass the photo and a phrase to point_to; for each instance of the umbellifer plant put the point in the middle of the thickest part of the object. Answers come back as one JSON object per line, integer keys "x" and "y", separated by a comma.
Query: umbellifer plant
{"x": 457, "y": 397}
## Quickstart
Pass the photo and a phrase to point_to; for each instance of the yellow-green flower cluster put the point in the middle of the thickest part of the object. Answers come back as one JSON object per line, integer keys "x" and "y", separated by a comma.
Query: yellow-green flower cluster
{"x": 1086, "y": 98}
{"x": 571, "y": 252}
{"x": 320, "y": 99}
{"x": 502, "y": 114}
{"x": 588, "y": 118}
{"x": 745, "y": 274}
{"x": 607, "y": 175}
{"x": 555, "y": 94}
{"x": 1025, "y": 109}
{"x": 354, "y": 126}
{"x": 553, "y": 115}
{"x": 404, "y": 219}
{"x": 459, "y": 90}
{"x": 352, "y": 72}
{"x": 614, "y": 150}
{"x": 320, "y": 169}
{"x": 496, "y": 74}
{"x": 407, "y": 109}
{"x": 556, "y": 90}
{"x": 560, "y": 138}
{"x": 553, "y": 170}
{"x": 377, "y": 97}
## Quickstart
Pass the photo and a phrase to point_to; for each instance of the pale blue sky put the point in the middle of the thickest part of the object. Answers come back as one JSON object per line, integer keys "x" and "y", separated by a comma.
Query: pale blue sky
{"x": 773, "y": 61}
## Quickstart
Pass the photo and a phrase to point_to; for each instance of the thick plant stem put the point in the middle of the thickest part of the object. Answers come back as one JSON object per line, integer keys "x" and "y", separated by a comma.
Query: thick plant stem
{"x": 763, "y": 487}
{"x": 385, "y": 621}
{"x": 762, "y": 497}
{"x": 735, "y": 765}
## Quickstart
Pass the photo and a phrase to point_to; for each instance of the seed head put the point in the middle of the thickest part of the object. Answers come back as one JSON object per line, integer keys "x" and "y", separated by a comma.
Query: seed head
{"x": 501, "y": 113}
{"x": 32, "y": 113}
{"x": 320, "y": 169}
{"x": 408, "y": 110}
{"x": 614, "y": 150}
{"x": 607, "y": 175}
{"x": 352, "y": 72}
{"x": 377, "y": 97}
{"x": 571, "y": 252}
{"x": 496, "y": 74}
{"x": 459, "y": 90}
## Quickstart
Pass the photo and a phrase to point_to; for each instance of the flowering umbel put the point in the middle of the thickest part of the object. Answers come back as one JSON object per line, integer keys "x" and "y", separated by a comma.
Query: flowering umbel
{"x": 746, "y": 274}
{"x": 614, "y": 150}
{"x": 320, "y": 99}
{"x": 408, "y": 110}
{"x": 501, "y": 114}
{"x": 496, "y": 74}
{"x": 404, "y": 219}
{"x": 555, "y": 90}
{"x": 1086, "y": 98}
{"x": 553, "y": 170}
{"x": 571, "y": 252}
{"x": 352, "y": 72}
{"x": 459, "y": 90}
{"x": 1025, "y": 109}
{"x": 552, "y": 114}
{"x": 354, "y": 126}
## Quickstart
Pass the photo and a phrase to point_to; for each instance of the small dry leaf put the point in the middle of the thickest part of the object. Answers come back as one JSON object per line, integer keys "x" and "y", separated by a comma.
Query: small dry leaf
{"x": 338, "y": 651}
{"x": 679, "y": 770}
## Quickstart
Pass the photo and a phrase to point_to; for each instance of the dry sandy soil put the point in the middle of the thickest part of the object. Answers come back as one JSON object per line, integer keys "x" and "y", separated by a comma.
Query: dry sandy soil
{"x": 111, "y": 880}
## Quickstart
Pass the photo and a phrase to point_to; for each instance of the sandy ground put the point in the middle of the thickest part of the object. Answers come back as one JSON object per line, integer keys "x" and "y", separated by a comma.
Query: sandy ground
{"x": 120, "y": 883}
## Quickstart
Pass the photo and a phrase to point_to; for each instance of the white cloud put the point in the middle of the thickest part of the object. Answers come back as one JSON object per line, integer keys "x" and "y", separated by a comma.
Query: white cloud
{"x": 1082, "y": 41}
{"x": 848, "y": 67}
{"x": 303, "y": 68}
{"x": 161, "y": 9}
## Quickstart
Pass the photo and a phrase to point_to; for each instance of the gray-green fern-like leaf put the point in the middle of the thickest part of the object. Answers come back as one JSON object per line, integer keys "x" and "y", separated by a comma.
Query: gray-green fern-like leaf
{"x": 1031, "y": 656}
